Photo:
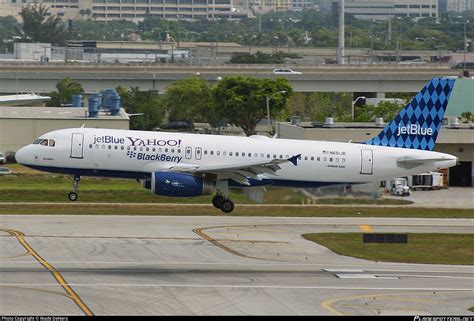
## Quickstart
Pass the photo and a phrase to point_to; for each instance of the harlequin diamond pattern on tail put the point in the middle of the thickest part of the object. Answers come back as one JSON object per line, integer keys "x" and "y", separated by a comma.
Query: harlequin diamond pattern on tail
{"x": 417, "y": 125}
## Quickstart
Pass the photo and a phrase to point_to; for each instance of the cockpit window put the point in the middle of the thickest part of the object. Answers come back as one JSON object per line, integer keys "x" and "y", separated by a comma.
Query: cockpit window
{"x": 37, "y": 141}
{"x": 52, "y": 143}
{"x": 44, "y": 142}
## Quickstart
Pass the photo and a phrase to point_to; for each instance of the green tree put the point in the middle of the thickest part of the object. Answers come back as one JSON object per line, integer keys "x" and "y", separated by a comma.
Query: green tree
{"x": 188, "y": 99}
{"x": 39, "y": 27}
{"x": 242, "y": 100}
{"x": 147, "y": 103}
{"x": 65, "y": 89}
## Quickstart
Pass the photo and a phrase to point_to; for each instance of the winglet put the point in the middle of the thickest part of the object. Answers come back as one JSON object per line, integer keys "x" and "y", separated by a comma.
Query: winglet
{"x": 294, "y": 159}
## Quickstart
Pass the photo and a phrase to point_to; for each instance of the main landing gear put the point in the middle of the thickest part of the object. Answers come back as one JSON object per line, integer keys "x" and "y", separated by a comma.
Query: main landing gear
{"x": 73, "y": 195}
{"x": 222, "y": 203}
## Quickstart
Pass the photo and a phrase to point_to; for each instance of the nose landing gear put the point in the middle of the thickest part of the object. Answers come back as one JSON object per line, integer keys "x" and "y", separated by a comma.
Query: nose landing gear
{"x": 73, "y": 195}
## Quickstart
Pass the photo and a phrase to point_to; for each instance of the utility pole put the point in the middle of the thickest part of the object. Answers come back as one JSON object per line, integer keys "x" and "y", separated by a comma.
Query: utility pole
{"x": 340, "y": 52}
{"x": 465, "y": 42}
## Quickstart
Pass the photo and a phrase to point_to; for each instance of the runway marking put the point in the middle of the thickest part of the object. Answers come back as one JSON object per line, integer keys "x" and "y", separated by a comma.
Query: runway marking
{"x": 59, "y": 278}
{"x": 366, "y": 228}
{"x": 328, "y": 304}
{"x": 199, "y": 231}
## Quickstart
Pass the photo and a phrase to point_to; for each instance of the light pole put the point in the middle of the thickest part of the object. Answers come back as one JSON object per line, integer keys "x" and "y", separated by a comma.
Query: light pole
{"x": 268, "y": 98}
{"x": 353, "y": 104}
{"x": 465, "y": 42}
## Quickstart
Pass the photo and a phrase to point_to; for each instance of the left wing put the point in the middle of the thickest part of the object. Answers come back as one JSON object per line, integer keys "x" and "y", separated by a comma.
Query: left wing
{"x": 237, "y": 172}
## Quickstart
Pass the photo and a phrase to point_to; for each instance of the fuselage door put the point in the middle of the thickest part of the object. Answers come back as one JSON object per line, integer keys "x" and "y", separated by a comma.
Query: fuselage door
{"x": 77, "y": 145}
{"x": 367, "y": 161}
{"x": 188, "y": 152}
{"x": 198, "y": 153}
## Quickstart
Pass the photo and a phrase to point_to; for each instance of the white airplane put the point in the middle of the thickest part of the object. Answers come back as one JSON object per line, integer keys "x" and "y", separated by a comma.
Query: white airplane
{"x": 186, "y": 165}
{"x": 22, "y": 99}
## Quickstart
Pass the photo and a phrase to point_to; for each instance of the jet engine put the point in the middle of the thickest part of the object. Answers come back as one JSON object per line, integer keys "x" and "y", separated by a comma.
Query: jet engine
{"x": 180, "y": 185}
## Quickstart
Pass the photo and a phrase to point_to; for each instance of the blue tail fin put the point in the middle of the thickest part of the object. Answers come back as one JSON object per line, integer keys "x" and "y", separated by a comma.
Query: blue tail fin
{"x": 417, "y": 125}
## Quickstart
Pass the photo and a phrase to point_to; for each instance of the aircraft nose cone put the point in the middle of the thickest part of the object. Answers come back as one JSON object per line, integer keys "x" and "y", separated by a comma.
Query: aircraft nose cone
{"x": 21, "y": 155}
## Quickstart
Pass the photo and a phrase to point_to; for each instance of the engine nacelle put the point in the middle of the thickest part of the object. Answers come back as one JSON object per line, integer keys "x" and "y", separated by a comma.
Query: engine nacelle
{"x": 180, "y": 185}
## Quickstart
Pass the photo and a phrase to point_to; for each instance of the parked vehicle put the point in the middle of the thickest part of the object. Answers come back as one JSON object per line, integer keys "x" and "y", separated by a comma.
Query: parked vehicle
{"x": 2, "y": 159}
{"x": 399, "y": 187}
{"x": 427, "y": 181}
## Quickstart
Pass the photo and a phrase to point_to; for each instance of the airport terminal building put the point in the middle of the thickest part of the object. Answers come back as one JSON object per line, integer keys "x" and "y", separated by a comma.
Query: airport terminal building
{"x": 20, "y": 126}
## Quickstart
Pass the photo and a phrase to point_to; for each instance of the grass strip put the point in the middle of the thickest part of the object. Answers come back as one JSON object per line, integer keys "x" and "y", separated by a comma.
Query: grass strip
{"x": 426, "y": 248}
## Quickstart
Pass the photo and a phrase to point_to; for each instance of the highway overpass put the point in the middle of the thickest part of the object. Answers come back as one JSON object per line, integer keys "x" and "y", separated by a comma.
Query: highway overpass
{"x": 324, "y": 78}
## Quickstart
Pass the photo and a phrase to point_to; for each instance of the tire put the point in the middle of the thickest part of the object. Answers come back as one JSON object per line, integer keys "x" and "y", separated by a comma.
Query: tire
{"x": 227, "y": 206}
{"x": 72, "y": 196}
{"x": 217, "y": 201}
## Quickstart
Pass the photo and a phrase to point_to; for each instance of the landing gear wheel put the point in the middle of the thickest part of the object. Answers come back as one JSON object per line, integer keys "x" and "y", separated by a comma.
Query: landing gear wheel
{"x": 72, "y": 196}
{"x": 227, "y": 206}
{"x": 217, "y": 201}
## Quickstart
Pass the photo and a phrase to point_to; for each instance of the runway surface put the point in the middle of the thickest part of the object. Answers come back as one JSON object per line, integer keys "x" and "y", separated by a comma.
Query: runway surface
{"x": 162, "y": 265}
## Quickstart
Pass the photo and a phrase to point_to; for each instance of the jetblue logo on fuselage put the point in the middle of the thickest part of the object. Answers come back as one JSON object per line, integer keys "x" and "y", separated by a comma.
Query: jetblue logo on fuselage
{"x": 414, "y": 129}
{"x": 154, "y": 157}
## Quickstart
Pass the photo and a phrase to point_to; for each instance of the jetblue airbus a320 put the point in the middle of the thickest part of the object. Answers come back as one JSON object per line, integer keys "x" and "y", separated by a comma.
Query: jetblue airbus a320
{"x": 186, "y": 165}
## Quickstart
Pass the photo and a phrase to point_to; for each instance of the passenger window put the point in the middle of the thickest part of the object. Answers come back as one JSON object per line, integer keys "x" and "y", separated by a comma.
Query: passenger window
{"x": 236, "y": 153}
{"x": 306, "y": 158}
{"x": 224, "y": 153}
{"x": 166, "y": 150}
{"x": 312, "y": 158}
{"x": 122, "y": 148}
{"x": 96, "y": 146}
{"x": 172, "y": 150}
{"x": 274, "y": 156}
{"x": 255, "y": 155}
{"x": 205, "y": 152}
{"x": 324, "y": 159}
{"x": 179, "y": 151}
{"x": 160, "y": 150}
{"x": 52, "y": 143}
{"x": 212, "y": 152}
{"x": 90, "y": 145}
{"x": 281, "y": 156}
{"x": 250, "y": 154}
{"x": 330, "y": 159}
{"x": 110, "y": 146}
{"x": 135, "y": 148}
{"x": 116, "y": 147}
{"x": 262, "y": 156}
{"x": 128, "y": 147}
{"x": 268, "y": 155}
{"x": 147, "y": 149}
{"x": 218, "y": 152}
{"x": 319, "y": 158}
{"x": 103, "y": 146}
{"x": 230, "y": 153}
{"x": 44, "y": 142}
{"x": 141, "y": 149}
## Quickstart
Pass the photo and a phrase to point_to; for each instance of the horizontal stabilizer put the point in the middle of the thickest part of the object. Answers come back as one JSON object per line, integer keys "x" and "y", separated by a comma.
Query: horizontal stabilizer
{"x": 409, "y": 162}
